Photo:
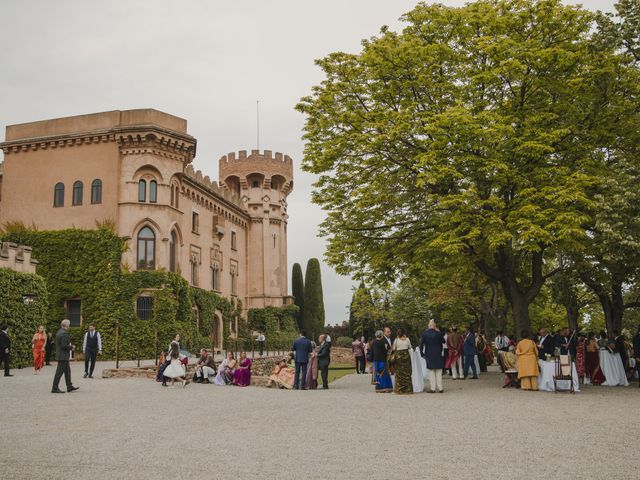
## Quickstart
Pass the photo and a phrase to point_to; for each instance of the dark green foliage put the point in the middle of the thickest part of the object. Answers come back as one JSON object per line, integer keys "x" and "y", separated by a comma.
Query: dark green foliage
{"x": 344, "y": 342}
{"x": 313, "y": 315}
{"x": 23, "y": 320}
{"x": 297, "y": 290}
{"x": 277, "y": 323}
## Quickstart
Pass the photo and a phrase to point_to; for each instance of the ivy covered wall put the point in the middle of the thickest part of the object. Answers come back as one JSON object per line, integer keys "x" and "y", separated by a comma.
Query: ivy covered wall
{"x": 23, "y": 320}
{"x": 278, "y": 324}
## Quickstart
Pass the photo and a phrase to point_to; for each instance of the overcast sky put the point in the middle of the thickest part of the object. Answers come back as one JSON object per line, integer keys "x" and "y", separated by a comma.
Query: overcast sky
{"x": 207, "y": 61}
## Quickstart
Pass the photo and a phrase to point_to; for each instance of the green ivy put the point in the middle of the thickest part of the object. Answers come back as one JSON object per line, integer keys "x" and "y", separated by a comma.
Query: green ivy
{"x": 23, "y": 320}
{"x": 278, "y": 324}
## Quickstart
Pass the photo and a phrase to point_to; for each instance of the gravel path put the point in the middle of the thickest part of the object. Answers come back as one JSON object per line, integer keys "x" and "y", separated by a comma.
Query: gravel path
{"x": 132, "y": 428}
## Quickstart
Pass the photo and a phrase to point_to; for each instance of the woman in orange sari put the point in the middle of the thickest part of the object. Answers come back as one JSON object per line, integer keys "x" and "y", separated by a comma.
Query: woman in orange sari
{"x": 37, "y": 347}
{"x": 528, "y": 370}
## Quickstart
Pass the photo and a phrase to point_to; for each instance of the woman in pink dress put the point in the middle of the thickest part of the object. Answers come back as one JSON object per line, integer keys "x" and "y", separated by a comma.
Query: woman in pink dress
{"x": 242, "y": 375}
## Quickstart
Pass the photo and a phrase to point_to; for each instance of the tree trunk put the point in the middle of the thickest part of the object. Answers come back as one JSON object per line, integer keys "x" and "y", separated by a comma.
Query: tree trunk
{"x": 520, "y": 308}
{"x": 617, "y": 307}
{"x": 573, "y": 312}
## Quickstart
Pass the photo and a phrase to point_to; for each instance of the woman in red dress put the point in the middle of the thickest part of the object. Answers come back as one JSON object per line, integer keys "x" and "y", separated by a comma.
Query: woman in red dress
{"x": 37, "y": 346}
{"x": 592, "y": 361}
{"x": 580, "y": 354}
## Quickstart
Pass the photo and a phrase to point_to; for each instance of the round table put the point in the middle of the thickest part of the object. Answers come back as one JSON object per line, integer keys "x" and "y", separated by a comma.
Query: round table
{"x": 547, "y": 372}
{"x": 612, "y": 369}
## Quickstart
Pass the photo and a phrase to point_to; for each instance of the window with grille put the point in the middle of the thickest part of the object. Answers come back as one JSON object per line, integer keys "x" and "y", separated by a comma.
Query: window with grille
{"x": 144, "y": 308}
{"x": 74, "y": 312}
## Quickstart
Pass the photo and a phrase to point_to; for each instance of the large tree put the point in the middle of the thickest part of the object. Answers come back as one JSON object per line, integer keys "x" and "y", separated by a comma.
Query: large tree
{"x": 313, "y": 319}
{"x": 297, "y": 290}
{"x": 469, "y": 133}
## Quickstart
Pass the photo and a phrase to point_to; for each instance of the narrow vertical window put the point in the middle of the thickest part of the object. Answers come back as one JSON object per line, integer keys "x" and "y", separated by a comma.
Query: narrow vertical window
{"x": 142, "y": 191}
{"x": 77, "y": 193}
{"x": 58, "y": 195}
{"x": 172, "y": 196}
{"x": 173, "y": 240}
{"x": 194, "y": 222}
{"x": 146, "y": 249}
{"x": 96, "y": 191}
{"x": 153, "y": 191}
{"x": 234, "y": 241}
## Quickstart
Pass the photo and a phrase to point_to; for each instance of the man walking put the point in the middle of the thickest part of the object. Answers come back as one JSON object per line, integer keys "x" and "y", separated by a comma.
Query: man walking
{"x": 63, "y": 353}
{"x": 91, "y": 347}
{"x": 431, "y": 342}
{"x": 302, "y": 348}
{"x": 470, "y": 351}
{"x": 357, "y": 347}
{"x": 5, "y": 350}
{"x": 324, "y": 358}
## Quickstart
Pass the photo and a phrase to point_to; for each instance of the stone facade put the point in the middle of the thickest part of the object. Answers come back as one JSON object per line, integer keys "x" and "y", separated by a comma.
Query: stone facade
{"x": 17, "y": 257}
{"x": 132, "y": 169}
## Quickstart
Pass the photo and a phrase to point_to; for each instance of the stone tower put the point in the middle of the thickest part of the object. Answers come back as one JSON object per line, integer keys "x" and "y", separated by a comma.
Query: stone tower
{"x": 263, "y": 181}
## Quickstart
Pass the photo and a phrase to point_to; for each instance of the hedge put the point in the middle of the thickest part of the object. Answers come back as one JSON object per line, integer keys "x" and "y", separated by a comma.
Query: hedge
{"x": 22, "y": 320}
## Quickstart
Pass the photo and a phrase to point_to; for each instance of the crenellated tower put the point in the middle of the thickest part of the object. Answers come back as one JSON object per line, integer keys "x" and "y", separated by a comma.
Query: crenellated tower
{"x": 262, "y": 181}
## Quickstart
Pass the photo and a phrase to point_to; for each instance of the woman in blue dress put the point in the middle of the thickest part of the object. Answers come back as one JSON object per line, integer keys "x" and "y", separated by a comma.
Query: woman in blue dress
{"x": 381, "y": 376}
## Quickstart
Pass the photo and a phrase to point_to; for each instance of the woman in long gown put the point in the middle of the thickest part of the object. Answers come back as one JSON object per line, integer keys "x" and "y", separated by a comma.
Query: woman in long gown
{"x": 381, "y": 376}
{"x": 225, "y": 371}
{"x": 402, "y": 361}
{"x": 528, "y": 369}
{"x": 417, "y": 375}
{"x": 242, "y": 374}
{"x": 311, "y": 381}
{"x": 580, "y": 354}
{"x": 592, "y": 361}
{"x": 37, "y": 347}
{"x": 481, "y": 346}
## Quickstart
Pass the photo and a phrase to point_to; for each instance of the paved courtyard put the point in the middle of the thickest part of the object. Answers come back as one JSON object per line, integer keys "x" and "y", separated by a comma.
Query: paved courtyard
{"x": 133, "y": 428}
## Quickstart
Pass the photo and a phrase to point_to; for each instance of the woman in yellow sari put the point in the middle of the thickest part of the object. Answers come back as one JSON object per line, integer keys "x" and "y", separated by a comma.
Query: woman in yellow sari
{"x": 528, "y": 370}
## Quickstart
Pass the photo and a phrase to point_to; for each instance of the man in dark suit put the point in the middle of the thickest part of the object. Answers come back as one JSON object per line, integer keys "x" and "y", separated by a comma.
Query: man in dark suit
{"x": 5, "y": 350}
{"x": 469, "y": 350}
{"x": 91, "y": 347}
{"x": 324, "y": 358}
{"x": 546, "y": 344}
{"x": 621, "y": 348}
{"x": 302, "y": 348}
{"x": 63, "y": 353}
{"x": 431, "y": 343}
{"x": 562, "y": 341}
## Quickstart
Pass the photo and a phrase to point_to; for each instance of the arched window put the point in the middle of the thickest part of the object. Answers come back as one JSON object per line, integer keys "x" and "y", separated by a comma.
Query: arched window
{"x": 153, "y": 191}
{"x": 58, "y": 195}
{"x": 96, "y": 191}
{"x": 173, "y": 240}
{"x": 77, "y": 193}
{"x": 142, "y": 191}
{"x": 172, "y": 195}
{"x": 146, "y": 249}
{"x": 194, "y": 271}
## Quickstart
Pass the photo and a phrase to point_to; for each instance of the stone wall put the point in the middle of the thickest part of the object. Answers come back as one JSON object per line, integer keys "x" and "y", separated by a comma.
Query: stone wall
{"x": 17, "y": 258}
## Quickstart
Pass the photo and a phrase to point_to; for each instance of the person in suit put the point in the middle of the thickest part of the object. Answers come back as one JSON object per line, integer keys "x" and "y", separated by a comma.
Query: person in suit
{"x": 5, "y": 350}
{"x": 621, "y": 348}
{"x": 63, "y": 354}
{"x": 546, "y": 345}
{"x": 562, "y": 341}
{"x": 302, "y": 348}
{"x": 431, "y": 343}
{"x": 324, "y": 359}
{"x": 470, "y": 351}
{"x": 91, "y": 347}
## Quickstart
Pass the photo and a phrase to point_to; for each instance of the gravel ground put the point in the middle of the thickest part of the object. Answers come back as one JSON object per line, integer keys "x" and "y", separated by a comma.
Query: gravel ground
{"x": 132, "y": 428}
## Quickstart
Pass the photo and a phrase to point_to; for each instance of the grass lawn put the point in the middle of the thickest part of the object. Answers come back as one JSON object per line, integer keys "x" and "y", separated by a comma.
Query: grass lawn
{"x": 340, "y": 370}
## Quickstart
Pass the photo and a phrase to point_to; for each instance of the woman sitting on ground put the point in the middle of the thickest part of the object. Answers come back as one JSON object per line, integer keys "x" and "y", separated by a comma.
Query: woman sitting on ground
{"x": 225, "y": 370}
{"x": 242, "y": 374}
{"x": 528, "y": 370}
{"x": 175, "y": 369}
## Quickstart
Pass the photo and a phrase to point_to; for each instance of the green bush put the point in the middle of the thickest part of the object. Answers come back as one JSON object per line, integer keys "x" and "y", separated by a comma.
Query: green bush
{"x": 343, "y": 342}
{"x": 23, "y": 320}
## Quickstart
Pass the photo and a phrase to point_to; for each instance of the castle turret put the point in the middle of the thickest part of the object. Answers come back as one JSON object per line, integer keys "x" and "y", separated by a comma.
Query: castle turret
{"x": 262, "y": 181}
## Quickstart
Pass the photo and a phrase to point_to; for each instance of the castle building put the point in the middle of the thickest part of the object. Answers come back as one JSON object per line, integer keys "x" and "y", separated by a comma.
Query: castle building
{"x": 132, "y": 169}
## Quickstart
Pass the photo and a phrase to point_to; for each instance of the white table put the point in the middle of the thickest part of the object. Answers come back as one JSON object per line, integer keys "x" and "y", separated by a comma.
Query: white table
{"x": 613, "y": 370}
{"x": 547, "y": 372}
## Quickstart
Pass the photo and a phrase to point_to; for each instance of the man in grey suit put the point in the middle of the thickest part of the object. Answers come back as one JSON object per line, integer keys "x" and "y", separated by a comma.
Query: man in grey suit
{"x": 324, "y": 358}
{"x": 63, "y": 353}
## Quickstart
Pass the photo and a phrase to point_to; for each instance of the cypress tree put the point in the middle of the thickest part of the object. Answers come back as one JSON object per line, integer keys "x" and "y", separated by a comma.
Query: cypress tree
{"x": 297, "y": 290}
{"x": 313, "y": 317}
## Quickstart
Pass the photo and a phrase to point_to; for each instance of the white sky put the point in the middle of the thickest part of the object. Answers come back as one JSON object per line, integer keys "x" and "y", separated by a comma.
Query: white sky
{"x": 207, "y": 61}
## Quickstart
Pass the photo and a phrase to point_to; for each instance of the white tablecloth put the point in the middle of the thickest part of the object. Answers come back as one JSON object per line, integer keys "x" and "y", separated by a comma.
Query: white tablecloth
{"x": 613, "y": 370}
{"x": 548, "y": 370}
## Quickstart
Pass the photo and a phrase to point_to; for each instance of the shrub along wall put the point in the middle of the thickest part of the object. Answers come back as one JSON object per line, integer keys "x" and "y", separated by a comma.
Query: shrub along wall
{"x": 278, "y": 324}
{"x": 23, "y": 320}
{"x": 85, "y": 264}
